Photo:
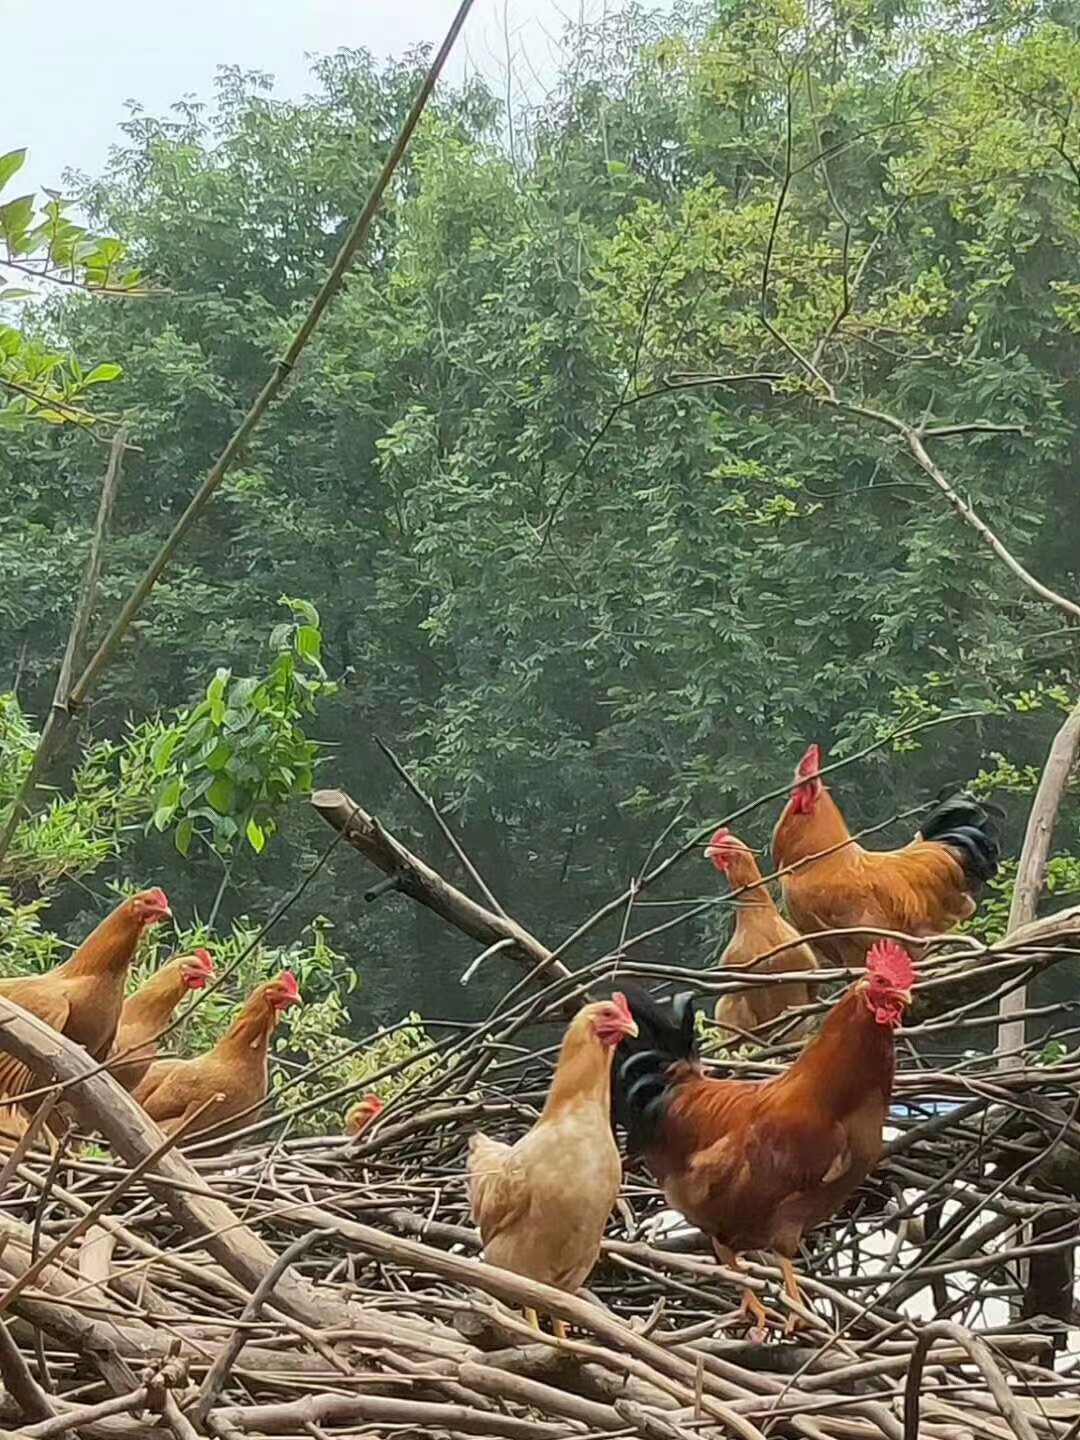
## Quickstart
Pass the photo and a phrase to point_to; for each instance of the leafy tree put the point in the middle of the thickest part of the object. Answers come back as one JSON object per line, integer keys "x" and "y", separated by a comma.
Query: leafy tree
{"x": 39, "y": 244}
{"x": 574, "y": 580}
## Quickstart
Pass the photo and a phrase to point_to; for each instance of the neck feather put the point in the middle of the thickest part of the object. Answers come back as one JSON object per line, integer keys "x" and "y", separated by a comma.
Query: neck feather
{"x": 583, "y": 1071}
{"x": 110, "y": 947}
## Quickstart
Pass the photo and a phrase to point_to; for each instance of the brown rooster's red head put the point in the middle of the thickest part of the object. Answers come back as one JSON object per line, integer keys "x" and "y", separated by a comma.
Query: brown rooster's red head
{"x": 150, "y": 906}
{"x": 808, "y": 785}
{"x": 196, "y": 969}
{"x": 889, "y": 978}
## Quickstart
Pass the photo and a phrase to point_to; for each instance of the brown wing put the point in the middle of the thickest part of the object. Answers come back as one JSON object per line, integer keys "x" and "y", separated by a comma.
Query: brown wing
{"x": 50, "y": 1004}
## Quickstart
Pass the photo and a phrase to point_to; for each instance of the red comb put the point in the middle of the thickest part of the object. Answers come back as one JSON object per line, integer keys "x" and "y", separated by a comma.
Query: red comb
{"x": 287, "y": 981}
{"x": 893, "y": 963}
{"x": 621, "y": 1004}
{"x": 810, "y": 763}
{"x": 721, "y": 838}
{"x": 205, "y": 959}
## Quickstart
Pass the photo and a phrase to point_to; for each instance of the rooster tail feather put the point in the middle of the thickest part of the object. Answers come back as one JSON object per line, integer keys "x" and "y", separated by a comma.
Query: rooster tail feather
{"x": 640, "y": 1073}
{"x": 966, "y": 825}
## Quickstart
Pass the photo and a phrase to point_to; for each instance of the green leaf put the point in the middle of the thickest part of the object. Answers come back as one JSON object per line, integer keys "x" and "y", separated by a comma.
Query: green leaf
{"x": 11, "y": 164}
{"x": 215, "y": 694}
{"x": 309, "y": 643}
{"x": 184, "y": 831}
{"x": 220, "y": 794}
{"x": 256, "y": 836}
{"x": 102, "y": 373}
{"x": 161, "y": 751}
{"x": 302, "y": 609}
{"x": 15, "y": 218}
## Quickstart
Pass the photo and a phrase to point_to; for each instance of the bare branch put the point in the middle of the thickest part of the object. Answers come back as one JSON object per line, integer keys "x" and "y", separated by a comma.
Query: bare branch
{"x": 415, "y": 878}
{"x": 1031, "y": 872}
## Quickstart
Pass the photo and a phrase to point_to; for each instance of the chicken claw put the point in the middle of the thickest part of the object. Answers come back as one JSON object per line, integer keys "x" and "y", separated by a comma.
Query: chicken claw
{"x": 532, "y": 1318}
{"x": 794, "y": 1321}
{"x": 558, "y": 1328}
{"x": 752, "y": 1309}
{"x": 761, "y": 1319}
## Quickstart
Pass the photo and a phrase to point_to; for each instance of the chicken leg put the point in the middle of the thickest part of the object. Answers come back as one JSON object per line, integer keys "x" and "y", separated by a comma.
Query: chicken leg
{"x": 751, "y": 1306}
{"x": 794, "y": 1321}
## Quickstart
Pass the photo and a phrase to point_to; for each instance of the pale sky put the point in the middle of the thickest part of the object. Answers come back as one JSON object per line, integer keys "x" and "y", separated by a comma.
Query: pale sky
{"x": 69, "y": 66}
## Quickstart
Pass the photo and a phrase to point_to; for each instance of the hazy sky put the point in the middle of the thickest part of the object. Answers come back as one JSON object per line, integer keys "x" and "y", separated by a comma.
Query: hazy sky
{"x": 68, "y": 67}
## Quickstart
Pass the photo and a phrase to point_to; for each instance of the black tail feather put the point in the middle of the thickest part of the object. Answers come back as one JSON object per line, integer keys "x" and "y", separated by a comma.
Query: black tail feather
{"x": 639, "y": 1074}
{"x": 967, "y": 826}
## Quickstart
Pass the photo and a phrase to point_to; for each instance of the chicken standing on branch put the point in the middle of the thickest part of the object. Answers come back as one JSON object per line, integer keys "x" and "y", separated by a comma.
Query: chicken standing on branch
{"x": 83, "y": 997}
{"x": 757, "y": 1163}
{"x": 926, "y": 888}
{"x": 760, "y": 930}
{"x": 147, "y": 1013}
{"x": 229, "y": 1083}
{"x": 362, "y": 1114}
{"x": 541, "y": 1204}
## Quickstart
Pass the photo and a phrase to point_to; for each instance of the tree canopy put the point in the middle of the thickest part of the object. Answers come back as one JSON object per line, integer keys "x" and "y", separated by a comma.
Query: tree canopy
{"x": 599, "y": 475}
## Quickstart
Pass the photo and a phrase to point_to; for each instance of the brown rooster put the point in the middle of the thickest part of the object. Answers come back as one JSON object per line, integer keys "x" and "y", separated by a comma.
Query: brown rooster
{"x": 755, "y": 1164}
{"x": 148, "y": 1012}
{"x": 232, "y": 1080}
{"x": 831, "y": 883}
{"x": 760, "y": 930}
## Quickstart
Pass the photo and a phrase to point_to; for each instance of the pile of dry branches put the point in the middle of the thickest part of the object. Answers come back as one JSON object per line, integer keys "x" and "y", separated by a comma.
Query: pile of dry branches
{"x": 326, "y": 1287}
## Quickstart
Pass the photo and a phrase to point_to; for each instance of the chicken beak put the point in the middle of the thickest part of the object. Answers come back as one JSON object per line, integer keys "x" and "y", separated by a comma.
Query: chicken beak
{"x": 905, "y": 996}
{"x": 630, "y": 1028}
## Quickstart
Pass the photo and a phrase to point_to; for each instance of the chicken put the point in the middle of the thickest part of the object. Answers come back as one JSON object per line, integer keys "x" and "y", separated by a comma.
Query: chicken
{"x": 760, "y": 930}
{"x": 756, "y": 1164}
{"x": 542, "y": 1203}
{"x": 147, "y": 1013}
{"x": 83, "y": 997}
{"x": 926, "y": 888}
{"x": 362, "y": 1114}
{"x": 232, "y": 1080}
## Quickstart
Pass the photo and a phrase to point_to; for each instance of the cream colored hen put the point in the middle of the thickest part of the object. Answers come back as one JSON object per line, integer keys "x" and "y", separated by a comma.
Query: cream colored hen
{"x": 541, "y": 1204}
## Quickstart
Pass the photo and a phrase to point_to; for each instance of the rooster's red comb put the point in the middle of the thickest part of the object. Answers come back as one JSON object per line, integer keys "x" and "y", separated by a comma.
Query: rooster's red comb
{"x": 893, "y": 963}
{"x": 287, "y": 981}
{"x": 721, "y": 838}
{"x": 810, "y": 763}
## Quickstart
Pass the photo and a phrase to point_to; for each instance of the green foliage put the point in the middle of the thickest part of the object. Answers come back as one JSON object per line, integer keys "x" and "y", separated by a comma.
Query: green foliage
{"x": 226, "y": 767}
{"x": 43, "y": 243}
{"x": 69, "y": 835}
{"x": 581, "y": 585}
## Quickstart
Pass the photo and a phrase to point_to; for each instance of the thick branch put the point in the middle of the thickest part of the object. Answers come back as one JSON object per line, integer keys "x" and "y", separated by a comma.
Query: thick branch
{"x": 103, "y": 1106}
{"x": 1031, "y": 872}
{"x": 420, "y": 882}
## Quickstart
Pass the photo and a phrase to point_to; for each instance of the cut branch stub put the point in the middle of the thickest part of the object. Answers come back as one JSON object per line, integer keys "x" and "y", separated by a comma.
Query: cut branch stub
{"x": 421, "y": 883}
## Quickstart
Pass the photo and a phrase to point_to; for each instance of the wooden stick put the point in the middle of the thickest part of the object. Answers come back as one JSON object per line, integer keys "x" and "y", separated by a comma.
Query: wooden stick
{"x": 1031, "y": 873}
{"x": 425, "y": 885}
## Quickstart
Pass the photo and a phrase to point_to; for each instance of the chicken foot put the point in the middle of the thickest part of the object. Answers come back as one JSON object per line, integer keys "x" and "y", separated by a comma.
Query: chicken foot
{"x": 751, "y": 1307}
{"x": 794, "y": 1321}
{"x": 558, "y": 1328}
